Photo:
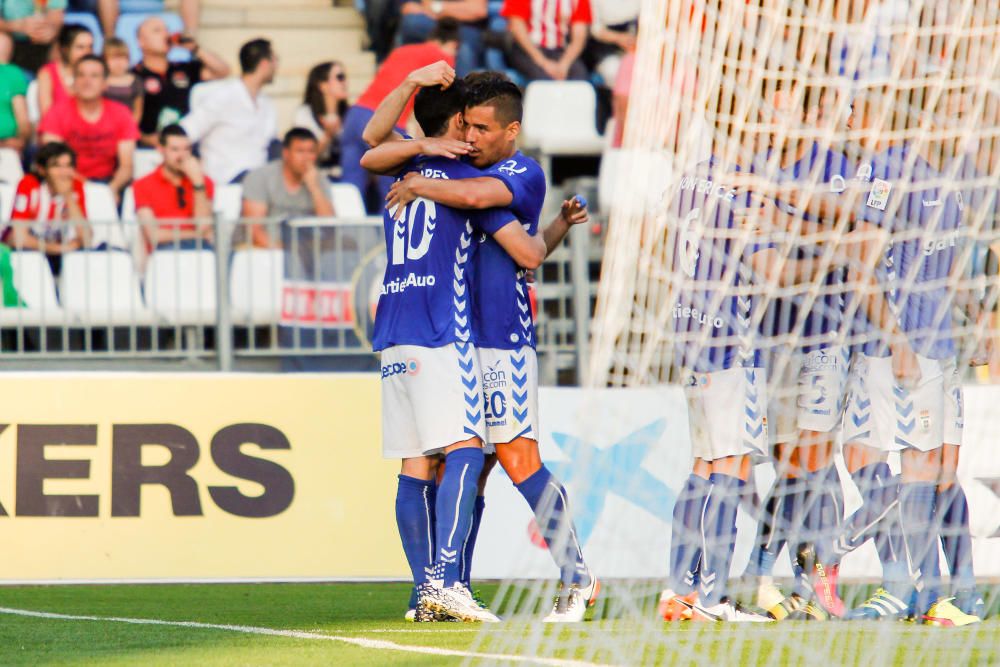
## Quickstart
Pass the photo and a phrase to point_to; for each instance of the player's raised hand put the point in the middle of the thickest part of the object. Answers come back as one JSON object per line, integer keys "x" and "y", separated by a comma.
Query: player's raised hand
{"x": 574, "y": 211}
{"x": 401, "y": 194}
{"x": 444, "y": 147}
{"x": 436, "y": 74}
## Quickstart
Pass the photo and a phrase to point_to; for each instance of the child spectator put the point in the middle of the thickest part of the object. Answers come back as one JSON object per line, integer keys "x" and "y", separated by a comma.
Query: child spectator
{"x": 55, "y": 79}
{"x": 50, "y": 213}
{"x": 174, "y": 202}
{"x": 322, "y": 110}
{"x": 100, "y": 131}
{"x": 123, "y": 85}
{"x": 15, "y": 128}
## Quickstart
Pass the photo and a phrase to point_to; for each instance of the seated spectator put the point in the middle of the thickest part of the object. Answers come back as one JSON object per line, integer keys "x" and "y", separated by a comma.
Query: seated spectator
{"x": 176, "y": 191}
{"x": 548, "y": 38}
{"x": 167, "y": 85}
{"x": 100, "y": 131}
{"x": 236, "y": 122}
{"x": 55, "y": 78}
{"x": 291, "y": 187}
{"x": 15, "y": 128}
{"x": 418, "y": 18}
{"x": 50, "y": 213}
{"x": 612, "y": 35}
{"x": 323, "y": 108}
{"x": 34, "y": 31}
{"x": 442, "y": 46}
{"x": 124, "y": 86}
{"x": 107, "y": 11}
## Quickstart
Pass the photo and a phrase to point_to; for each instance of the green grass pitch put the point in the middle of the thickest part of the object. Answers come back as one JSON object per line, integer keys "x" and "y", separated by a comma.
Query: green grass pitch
{"x": 624, "y": 631}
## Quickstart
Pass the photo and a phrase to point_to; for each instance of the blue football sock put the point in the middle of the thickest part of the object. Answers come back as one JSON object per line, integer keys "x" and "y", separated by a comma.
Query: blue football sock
{"x": 685, "y": 535}
{"x": 415, "y": 500}
{"x": 796, "y": 507}
{"x": 824, "y": 512}
{"x": 719, "y": 535}
{"x": 547, "y": 499}
{"x": 456, "y": 504}
{"x": 920, "y": 533}
{"x": 470, "y": 544}
{"x": 953, "y": 508}
{"x": 770, "y": 532}
{"x": 878, "y": 487}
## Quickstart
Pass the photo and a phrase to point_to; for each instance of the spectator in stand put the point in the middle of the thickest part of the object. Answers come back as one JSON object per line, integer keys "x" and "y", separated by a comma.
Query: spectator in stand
{"x": 291, "y": 187}
{"x": 107, "y": 11}
{"x": 123, "y": 85}
{"x": 612, "y": 35}
{"x": 418, "y": 18}
{"x": 323, "y": 108}
{"x": 176, "y": 191}
{"x": 50, "y": 213}
{"x": 15, "y": 128}
{"x": 55, "y": 78}
{"x": 34, "y": 26}
{"x": 167, "y": 85}
{"x": 442, "y": 45}
{"x": 619, "y": 102}
{"x": 101, "y": 132}
{"x": 548, "y": 38}
{"x": 236, "y": 122}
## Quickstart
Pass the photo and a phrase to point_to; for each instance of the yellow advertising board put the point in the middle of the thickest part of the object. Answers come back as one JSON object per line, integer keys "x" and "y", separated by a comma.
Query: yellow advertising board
{"x": 191, "y": 476}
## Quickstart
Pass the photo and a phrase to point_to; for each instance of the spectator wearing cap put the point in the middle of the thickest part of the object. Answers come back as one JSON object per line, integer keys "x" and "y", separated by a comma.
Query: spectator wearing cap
{"x": 291, "y": 187}
{"x": 236, "y": 121}
{"x": 167, "y": 85}
{"x": 50, "y": 213}
{"x": 100, "y": 131}
{"x": 549, "y": 37}
{"x": 174, "y": 202}
{"x": 55, "y": 78}
{"x": 418, "y": 18}
{"x": 15, "y": 128}
{"x": 34, "y": 26}
{"x": 442, "y": 45}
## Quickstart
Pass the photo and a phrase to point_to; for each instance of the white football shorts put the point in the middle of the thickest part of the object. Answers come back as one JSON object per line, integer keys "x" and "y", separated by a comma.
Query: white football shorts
{"x": 954, "y": 404}
{"x": 883, "y": 415}
{"x": 510, "y": 393}
{"x": 808, "y": 394}
{"x": 727, "y": 412}
{"x": 432, "y": 397}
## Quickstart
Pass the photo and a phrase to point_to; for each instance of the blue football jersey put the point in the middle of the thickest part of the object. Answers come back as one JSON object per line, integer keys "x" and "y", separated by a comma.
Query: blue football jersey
{"x": 426, "y": 298}
{"x": 712, "y": 321}
{"x": 829, "y": 171}
{"x": 501, "y": 310}
{"x": 924, "y": 219}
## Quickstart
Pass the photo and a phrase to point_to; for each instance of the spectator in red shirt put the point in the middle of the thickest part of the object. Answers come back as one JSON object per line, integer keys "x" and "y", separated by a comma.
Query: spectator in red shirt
{"x": 174, "y": 202}
{"x": 102, "y": 132}
{"x": 442, "y": 46}
{"x": 50, "y": 213}
{"x": 549, "y": 37}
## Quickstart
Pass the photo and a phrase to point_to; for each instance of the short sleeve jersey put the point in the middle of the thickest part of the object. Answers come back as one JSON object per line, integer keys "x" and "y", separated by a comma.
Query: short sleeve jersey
{"x": 166, "y": 95}
{"x": 924, "y": 218}
{"x": 12, "y": 84}
{"x": 95, "y": 144}
{"x": 502, "y": 312}
{"x": 267, "y": 185}
{"x": 33, "y": 201}
{"x": 425, "y": 298}
{"x": 710, "y": 261}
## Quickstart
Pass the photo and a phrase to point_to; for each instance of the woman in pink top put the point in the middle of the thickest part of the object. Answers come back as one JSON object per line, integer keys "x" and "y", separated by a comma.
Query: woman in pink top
{"x": 55, "y": 79}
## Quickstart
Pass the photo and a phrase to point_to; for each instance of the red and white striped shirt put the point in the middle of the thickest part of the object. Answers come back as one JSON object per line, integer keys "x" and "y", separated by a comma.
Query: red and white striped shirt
{"x": 548, "y": 20}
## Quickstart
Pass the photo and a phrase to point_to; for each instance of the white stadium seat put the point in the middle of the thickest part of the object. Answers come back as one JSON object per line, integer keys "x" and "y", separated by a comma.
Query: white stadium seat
{"x": 549, "y": 129}
{"x": 7, "y": 191}
{"x": 144, "y": 161}
{"x": 180, "y": 286}
{"x": 228, "y": 202}
{"x": 255, "y": 281}
{"x": 10, "y": 166}
{"x": 101, "y": 288}
{"x": 31, "y": 98}
{"x": 102, "y": 213}
{"x": 37, "y": 289}
{"x": 347, "y": 201}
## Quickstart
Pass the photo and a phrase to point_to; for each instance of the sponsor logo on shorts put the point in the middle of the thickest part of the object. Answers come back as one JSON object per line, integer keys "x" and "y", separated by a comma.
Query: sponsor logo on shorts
{"x": 821, "y": 361}
{"x": 494, "y": 378}
{"x": 408, "y": 367}
{"x": 925, "y": 421}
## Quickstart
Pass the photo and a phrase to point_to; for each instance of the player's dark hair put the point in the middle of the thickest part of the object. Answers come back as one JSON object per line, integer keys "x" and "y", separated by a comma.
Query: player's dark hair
{"x": 493, "y": 89}
{"x": 434, "y": 108}
{"x": 172, "y": 130}
{"x": 91, "y": 58}
{"x": 297, "y": 134}
{"x": 52, "y": 151}
{"x": 67, "y": 35}
{"x": 253, "y": 53}
{"x": 445, "y": 31}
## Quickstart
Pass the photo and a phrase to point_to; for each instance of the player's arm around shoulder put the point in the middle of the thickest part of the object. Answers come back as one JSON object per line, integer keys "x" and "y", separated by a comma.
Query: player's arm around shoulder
{"x": 528, "y": 251}
{"x": 481, "y": 192}
{"x": 391, "y": 157}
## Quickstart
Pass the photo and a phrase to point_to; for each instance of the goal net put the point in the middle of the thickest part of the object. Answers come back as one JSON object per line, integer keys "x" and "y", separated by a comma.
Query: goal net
{"x": 806, "y": 202}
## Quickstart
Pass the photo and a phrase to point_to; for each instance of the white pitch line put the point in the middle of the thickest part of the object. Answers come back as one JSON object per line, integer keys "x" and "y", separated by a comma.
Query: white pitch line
{"x": 375, "y": 644}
